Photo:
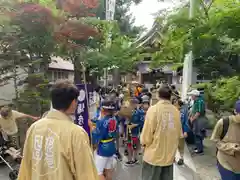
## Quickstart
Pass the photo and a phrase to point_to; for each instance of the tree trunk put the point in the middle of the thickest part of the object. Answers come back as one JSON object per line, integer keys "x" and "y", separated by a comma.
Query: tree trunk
{"x": 116, "y": 77}
{"x": 77, "y": 71}
{"x": 16, "y": 86}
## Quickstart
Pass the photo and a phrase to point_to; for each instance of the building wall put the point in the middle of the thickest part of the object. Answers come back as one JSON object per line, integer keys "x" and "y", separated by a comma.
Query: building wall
{"x": 195, "y": 79}
{"x": 7, "y": 91}
{"x": 55, "y": 74}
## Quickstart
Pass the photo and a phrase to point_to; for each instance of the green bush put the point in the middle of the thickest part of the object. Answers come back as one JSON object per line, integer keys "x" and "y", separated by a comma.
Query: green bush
{"x": 222, "y": 94}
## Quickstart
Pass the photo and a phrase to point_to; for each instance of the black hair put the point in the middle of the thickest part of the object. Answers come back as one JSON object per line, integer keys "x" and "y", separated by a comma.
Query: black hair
{"x": 178, "y": 101}
{"x": 109, "y": 102}
{"x": 62, "y": 95}
{"x": 98, "y": 88}
{"x": 165, "y": 92}
{"x": 173, "y": 87}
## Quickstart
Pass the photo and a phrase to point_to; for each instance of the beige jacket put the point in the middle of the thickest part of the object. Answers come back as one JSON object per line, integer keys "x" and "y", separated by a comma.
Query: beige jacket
{"x": 161, "y": 134}
{"x": 57, "y": 149}
{"x": 9, "y": 124}
{"x": 229, "y": 147}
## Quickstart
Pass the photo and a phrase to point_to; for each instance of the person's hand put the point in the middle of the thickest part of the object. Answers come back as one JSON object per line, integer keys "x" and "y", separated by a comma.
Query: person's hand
{"x": 185, "y": 134}
{"x": 131, "y": 126}
{"x": 192, "y": 119}
{"x": 36, "y": 118}
{"x": 90, "y": 124}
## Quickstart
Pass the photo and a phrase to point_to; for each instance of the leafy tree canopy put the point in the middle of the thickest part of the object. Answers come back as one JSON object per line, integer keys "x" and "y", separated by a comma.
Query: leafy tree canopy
{"x": 122, "y": 16}
{"x": 214, "y": 33}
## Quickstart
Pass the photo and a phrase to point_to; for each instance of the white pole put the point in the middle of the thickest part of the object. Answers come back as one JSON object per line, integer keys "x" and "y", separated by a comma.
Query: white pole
{"x": 188, "y": 60}
{"x": 105, "y": 77}
{"x": 110, "y": 11}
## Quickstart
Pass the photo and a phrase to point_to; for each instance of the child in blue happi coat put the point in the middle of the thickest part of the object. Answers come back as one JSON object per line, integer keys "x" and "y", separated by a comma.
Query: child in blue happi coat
{"x": 185, "y": 127}
{"x": 114, "y": 96}
{"x": 145, "y": 104}
{"x": 104, "y": 136}
{"x": 134, "y": 127}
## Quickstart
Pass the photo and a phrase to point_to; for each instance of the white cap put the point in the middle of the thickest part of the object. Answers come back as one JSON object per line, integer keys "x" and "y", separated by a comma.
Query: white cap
{"x": 194, "y": 93}
{"x": 135, "y": 82}
{"x": 121, "y": 96}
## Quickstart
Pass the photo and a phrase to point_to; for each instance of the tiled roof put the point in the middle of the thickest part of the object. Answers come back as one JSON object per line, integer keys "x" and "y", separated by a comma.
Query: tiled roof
{"x": 59, "y": 63}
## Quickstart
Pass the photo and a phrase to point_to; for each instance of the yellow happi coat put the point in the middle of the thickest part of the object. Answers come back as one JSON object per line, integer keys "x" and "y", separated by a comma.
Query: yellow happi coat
{"x": 57, "y": 149}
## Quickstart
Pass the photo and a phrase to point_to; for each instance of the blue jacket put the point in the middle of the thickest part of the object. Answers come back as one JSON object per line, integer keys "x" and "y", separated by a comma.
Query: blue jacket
{"x": 184, "y": 118}
{"x": 137, "y": 118}
{"x": 142, "y": 115}
{"x": 105, "y": 135}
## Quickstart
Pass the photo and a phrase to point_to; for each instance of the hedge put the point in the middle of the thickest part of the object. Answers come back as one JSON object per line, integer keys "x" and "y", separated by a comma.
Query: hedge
{"x": 222, "y": 94}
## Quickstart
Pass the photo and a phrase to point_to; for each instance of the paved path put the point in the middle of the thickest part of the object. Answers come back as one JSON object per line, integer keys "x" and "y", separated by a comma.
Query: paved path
{"x": 186, "y": 172}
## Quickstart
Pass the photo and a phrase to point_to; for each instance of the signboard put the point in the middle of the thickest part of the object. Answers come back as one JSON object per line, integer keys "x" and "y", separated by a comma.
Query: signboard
{"x": 85, "y": 99}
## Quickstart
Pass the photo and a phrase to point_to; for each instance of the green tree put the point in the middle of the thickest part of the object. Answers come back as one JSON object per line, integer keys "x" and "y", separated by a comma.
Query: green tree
{"x": 214, "y": 34}
{"x": 123, "y": 17}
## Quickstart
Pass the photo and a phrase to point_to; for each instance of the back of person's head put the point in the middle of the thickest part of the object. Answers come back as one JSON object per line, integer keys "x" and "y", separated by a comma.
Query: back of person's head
{"x": 134, "y": 101}
{"x": 98, "y": 88}
{"x": 63, "y": 94}
{"x": 109, "y": 105}
{"x": 180, "y": 102}
{"x": 173, "y": 87}
{"x": 5, "y": 111}
{"x": 165, "y": 92}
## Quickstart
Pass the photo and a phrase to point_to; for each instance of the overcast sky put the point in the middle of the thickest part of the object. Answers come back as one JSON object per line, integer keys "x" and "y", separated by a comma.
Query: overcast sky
{"x": 144, "y": 11}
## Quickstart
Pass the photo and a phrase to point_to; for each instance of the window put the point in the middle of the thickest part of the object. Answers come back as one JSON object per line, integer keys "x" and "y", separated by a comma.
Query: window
{"x": 60, "y": 75}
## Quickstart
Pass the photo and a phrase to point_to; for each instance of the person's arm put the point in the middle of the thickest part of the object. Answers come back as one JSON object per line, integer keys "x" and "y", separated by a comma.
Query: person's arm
{"x": 148, "y": 130}
{"x": 137, "y": 120}
{"x": 198, "y": 110}
{"x": 226, "y": 147}
{"x": 97, "y": 133}
{"x": 19, "y": 115}
{"x": 186, "y": 128}
{"x": 83, "y": 166}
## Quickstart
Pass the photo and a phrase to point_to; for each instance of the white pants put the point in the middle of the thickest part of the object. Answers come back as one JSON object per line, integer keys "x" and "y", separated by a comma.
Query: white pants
{"x": 103, "y": 163}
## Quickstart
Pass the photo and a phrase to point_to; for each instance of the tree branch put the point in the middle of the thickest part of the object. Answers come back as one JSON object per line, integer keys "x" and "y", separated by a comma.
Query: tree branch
{"x": 205, "y": 8}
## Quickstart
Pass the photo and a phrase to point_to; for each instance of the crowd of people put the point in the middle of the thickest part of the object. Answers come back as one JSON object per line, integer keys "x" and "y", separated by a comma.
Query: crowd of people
{"x": 57, "y": 149}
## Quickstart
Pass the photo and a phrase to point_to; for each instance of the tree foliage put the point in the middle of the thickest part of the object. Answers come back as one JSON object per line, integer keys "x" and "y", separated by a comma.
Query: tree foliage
{"x": 222, "y": 94}
{"x": 214, "y": 33}
{"x": 30, "y": 34}
{"x": 122, "y": 16}
{"x": 32, "y": 31}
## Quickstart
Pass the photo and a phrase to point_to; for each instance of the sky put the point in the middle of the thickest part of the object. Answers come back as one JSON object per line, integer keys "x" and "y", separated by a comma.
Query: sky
{"x": 144, "y": 11}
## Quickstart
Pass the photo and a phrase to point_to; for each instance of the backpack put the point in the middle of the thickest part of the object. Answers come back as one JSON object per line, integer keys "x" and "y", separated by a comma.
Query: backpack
{"x": 225, "y": 128}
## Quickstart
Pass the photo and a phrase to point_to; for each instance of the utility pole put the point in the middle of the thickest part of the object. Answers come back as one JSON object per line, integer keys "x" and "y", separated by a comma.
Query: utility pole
{"x": 188, "y": 60}
{"x": 110, "y": 11}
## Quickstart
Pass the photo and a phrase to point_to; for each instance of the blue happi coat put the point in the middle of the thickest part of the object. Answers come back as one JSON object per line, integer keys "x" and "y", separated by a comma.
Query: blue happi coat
{"x": 137, "y": 118}
{"x": 104, "y": 135}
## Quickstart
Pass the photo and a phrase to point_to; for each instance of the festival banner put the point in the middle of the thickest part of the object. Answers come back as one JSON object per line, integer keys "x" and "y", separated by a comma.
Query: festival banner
{"x": 85, "y": 99}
